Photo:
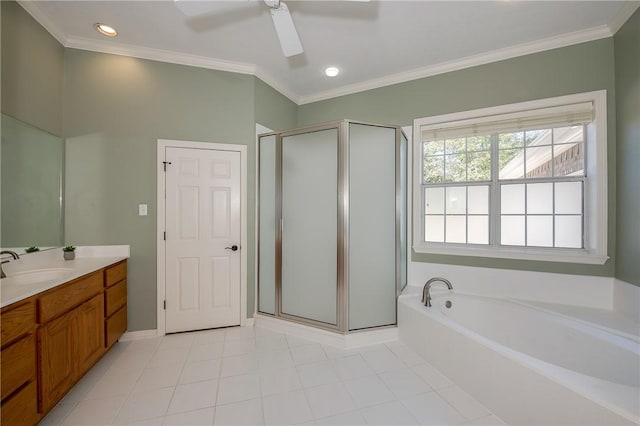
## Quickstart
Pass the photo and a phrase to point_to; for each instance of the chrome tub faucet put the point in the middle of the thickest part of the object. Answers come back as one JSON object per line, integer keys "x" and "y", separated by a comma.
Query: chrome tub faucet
{"x": 15, "y": 257}
{"x": 426, "y": 295}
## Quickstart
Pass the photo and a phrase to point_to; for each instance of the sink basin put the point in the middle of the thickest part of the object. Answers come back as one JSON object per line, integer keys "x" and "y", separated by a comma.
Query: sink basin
{"x": 37, "y": 275}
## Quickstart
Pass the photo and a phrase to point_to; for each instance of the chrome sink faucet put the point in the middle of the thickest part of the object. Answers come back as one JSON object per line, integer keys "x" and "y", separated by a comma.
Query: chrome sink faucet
{"x": 15, "y": 257}
{"x": 426, "y": 295}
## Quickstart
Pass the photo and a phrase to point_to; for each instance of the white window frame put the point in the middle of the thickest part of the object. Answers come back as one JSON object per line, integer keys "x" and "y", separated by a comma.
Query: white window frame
{"x": 595, "y": 190}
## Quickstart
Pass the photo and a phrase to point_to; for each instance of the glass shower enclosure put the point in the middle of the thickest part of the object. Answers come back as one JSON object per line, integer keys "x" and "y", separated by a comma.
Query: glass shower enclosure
{"x": 332, "y": 224}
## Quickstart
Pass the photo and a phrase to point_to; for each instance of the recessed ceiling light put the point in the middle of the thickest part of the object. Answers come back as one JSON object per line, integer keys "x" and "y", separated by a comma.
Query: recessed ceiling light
{"x": 331, "y": 71}
{"x": 105, "y": 30}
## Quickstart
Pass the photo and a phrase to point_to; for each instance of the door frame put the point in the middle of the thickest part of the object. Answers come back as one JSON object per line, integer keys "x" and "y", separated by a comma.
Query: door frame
{"x": 160, "y": 223}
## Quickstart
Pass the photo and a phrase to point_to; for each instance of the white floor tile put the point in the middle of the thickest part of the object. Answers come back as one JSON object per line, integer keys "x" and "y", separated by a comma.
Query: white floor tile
{"x": 431, "y": 409}
{"x": 169, "y": 355}
{"x": 239, "y": 364}
{"x": 279, "y": 381}
{"x": 206, "y": 352}
{"x": 57, "y": 414}
{"x": 240, "y": 413}
{"x": 405, "y": 383}
{"x": 145, "y": 405}
{"x": 239, "y": 333}
{"x": 200, "y": 371}
{"x": 297, "y": 341}
{"x": 307, "y": 354}
{"x": 94, "y": 412}
{"x": 368, "y": 391}
{"x": 158, "y": 377}
{"x": 391, "y": 413}
{"x": 194, "y": 396}
{"x": 208, "y": 337}
{"x": 352, "y": 367}
{"x": 114, "y": 384}
{"x": 406, "y": 354}
{"x": 239, "y": 347}
{"x": 157, "y": 421}
{"x": 329, "y": 400}
{"x": 270, "y": 342}
{"x": 353, "y": 418}
{"x": 491, "y": 420}
{"x": 286, "y": 409}
{"x": 382, "y": 359}
{"x": 432, "y": 376}
{"x": 320, "y": 373}
{"x": 191, "y": 418}
{"x": 463, "y": 402}
{"x": 177, "y": 340}
{"x": 274, "y": 359}
{"x": 238, "y": 388}
{"x": 261, "y": 382}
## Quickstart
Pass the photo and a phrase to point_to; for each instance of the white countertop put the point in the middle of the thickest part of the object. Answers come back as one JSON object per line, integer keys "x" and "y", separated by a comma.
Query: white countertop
{"x": 88, "y": 259}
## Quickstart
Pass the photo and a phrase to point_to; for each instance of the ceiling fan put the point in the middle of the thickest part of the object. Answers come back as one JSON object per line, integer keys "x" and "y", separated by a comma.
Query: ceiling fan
{"x": 282, "y": 21}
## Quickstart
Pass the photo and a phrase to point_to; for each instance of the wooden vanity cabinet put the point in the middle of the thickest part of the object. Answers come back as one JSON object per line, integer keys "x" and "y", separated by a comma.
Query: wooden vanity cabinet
{"x": 115, "y": 303}
{"x": 71, "y": 335}
{"x": 18, "y": 387}
{"x": 50, "y": 340}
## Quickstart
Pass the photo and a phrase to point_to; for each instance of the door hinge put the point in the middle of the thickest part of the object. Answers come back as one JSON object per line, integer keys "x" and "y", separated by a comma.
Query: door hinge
{"x": 165, "y": 305}
{"x": 164, "y": 235}
{"x": 164, "y": 165}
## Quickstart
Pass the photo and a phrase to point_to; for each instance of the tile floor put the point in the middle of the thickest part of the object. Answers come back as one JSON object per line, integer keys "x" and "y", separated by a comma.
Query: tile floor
{"x": 253, "y": 376}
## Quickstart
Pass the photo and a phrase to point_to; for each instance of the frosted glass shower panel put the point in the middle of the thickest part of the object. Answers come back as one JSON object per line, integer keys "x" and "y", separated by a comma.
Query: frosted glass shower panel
{"x": 267, "y": 221}
{"x": 372, "y": 226}
{"x": 310, "y": 225}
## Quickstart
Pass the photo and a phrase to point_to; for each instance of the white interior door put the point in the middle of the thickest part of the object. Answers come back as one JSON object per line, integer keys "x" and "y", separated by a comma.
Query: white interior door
{"x": 202, "y": 216}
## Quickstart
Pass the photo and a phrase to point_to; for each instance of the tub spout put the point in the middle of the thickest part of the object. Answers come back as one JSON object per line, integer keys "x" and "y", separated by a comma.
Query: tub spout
{"x": 426, "y": 295}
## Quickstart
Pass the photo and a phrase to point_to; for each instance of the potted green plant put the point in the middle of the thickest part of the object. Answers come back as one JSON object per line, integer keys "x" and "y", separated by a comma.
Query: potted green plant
{"x": 69, "y": 252}
{"x": 31, "y": 249}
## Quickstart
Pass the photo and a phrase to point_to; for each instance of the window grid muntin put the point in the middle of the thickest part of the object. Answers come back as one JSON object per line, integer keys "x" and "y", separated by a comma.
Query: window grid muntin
{"x": 495, "y": 185}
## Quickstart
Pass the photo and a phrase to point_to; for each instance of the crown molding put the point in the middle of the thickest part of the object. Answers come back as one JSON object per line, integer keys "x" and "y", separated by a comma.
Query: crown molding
{"x": 160, "y": 55}
{"x": 168, "y": 56}
{"x": 41, "y": 18}
{"x": 555, "y": 42}
{"x": 623, "y": 15}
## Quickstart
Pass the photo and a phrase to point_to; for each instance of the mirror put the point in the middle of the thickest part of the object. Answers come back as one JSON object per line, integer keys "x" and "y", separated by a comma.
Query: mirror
{"x": 32, "y": 166}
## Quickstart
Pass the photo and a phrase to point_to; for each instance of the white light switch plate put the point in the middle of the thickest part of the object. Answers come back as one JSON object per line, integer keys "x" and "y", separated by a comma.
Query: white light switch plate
{"x": 142, "y": 209}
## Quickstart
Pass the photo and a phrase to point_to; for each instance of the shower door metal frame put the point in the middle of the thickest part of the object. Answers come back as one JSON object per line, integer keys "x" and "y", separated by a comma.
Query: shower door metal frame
{"x": 342, "y": 237}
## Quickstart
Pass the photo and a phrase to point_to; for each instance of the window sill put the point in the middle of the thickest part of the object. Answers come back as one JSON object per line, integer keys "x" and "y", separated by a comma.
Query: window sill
{"x": 561, "y": 256}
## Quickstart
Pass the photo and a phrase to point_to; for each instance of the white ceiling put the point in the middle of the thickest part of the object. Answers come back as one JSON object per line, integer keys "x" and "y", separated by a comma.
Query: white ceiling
{"x": 374, "y": 43}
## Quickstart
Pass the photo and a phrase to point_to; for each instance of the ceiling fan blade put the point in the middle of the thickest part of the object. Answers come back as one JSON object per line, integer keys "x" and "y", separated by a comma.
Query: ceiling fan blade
{"x": 289, "y": 40}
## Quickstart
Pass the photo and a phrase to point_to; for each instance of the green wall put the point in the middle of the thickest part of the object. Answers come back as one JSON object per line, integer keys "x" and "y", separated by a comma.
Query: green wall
{"x": 574, "y": 69}
{"x": 116, "y": 108}
{"x": 32, "y": 70}
{"x": 272, "y": 109}
{"x": 627, "y": 60}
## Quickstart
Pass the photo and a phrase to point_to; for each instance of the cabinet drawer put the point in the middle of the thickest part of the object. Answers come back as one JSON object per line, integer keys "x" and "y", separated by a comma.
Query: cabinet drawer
{"x": 18, "y": 365}
{"x": 115, "y": 273}
{"x": 22, "y": 408}
{"x": 115, "y": 326}
{"x": 16, "y": 322}
{"x": 116, "y": 297}
{"x": 64, "y": 298}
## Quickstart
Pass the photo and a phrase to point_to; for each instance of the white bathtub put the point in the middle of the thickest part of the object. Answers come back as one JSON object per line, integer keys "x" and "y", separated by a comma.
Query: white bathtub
{"x": 527, "y": 365}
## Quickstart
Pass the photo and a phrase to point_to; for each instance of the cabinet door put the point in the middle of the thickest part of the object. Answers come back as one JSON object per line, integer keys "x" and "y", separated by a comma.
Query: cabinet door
{"x": 90, "y": 334}
{"x": 56, "y": 359}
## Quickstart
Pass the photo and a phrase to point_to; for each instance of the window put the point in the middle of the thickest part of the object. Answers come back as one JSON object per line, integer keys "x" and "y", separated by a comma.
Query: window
{"x": 523, "y": 181}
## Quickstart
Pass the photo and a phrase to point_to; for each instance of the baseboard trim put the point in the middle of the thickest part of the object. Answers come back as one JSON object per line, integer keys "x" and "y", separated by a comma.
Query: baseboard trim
{"x": 138, "y": 335}
{"x": 343, "y": 341}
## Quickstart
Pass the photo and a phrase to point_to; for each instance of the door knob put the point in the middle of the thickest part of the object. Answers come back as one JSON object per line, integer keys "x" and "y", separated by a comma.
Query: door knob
{"x": 232, "y": 248}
